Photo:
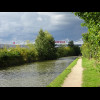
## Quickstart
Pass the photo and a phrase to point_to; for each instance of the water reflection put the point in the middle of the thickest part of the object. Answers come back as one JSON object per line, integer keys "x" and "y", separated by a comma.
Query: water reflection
{"x": 38, "y": 74}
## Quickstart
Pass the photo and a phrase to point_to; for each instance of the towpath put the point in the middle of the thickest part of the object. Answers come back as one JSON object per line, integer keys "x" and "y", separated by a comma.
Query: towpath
{"x": 74, "y": 79}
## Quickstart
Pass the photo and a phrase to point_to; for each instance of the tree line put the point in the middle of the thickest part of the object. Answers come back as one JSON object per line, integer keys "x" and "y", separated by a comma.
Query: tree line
{"x": 91, "y": 47}
{"x": 43, "y": 49}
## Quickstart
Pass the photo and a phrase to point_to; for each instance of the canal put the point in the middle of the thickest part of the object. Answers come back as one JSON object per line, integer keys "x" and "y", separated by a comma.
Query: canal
{"x": 37, "y": 74}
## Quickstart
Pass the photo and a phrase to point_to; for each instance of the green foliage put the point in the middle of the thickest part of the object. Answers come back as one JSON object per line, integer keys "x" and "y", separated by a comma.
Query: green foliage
{"x": 70, "y": 43}
{"x": 92, "y": 37}
{"x": 9, "y": 58}
{"x": 58, "y": 81}
{"x": 61, "y": 51}
{"x": 85, "y": 51}
{"x": 74, "y": 49}
{"x": 91, "y": 73}
{"x": 77, "y": 50}
{"x": 45, "y": 46}
{"x": 17, "y": 56}
{"x": 71, "y": 50}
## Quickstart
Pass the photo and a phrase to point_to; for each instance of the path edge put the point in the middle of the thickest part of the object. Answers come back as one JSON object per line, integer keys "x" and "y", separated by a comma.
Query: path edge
{"x": 59, "y": 80}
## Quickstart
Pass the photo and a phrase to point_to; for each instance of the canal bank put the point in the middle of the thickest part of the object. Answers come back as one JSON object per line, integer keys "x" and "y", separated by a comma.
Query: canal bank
{"x": 59, "y": 80}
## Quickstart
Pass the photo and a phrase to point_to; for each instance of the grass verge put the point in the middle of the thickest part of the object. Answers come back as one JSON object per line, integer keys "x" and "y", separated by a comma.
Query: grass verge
{"x": 91, "y": 73}
{"x": 58, "y": 81}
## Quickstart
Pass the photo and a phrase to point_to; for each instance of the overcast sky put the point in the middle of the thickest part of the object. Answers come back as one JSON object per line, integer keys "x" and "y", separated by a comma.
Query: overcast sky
{"x": 21, "y": 26}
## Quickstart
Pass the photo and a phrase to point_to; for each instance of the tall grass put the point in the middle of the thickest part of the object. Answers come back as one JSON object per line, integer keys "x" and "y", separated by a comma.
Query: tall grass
{"x": 91, "y": 73}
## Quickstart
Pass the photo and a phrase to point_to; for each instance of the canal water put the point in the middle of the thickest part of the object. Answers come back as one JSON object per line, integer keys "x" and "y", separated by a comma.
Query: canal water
{"x": 37, "y": 74}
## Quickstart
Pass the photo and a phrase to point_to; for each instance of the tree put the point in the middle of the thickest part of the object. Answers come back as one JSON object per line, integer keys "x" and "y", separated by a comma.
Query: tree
{"x": 45, "y": 45}
{"x": 92, "y": 37}
{"x": 74, "y": 49}
{"x": 61, "y": 51}
{"x": 70, "y": 43}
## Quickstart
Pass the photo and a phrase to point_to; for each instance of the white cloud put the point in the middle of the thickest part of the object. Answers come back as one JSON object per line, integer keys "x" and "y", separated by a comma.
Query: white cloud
{"x": 46, "y": 13}
{"x": 39, "y": 19}
{"x": 79, "y": 41}
{"x": 57, "y": 18}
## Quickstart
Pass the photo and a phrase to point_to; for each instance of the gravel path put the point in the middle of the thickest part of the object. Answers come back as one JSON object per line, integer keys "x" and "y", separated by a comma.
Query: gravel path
{"x": 74, "y": 79}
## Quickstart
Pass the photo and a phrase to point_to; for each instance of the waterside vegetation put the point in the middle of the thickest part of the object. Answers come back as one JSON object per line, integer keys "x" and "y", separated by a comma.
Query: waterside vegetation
{"x": 91, "y": 73}
{"x": 91, "y": 48}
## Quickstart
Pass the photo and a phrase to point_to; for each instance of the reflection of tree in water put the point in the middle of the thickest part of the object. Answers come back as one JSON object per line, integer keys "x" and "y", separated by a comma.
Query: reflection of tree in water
{"x": 45, "y": 71}
{"x": 49, "y": 70}
{"x": 45, "y": 67}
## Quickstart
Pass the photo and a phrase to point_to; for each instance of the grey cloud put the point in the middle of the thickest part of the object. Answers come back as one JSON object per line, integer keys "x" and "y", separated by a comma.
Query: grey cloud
{"x": 25, "y": 25}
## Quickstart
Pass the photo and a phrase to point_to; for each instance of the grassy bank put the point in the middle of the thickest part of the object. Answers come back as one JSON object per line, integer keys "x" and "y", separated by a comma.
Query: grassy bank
{"x": 58, "y": 81}
{"x": 91, "y": 73}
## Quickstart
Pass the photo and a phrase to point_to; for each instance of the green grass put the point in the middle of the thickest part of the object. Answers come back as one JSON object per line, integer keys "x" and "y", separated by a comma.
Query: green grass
{"x": 91, "y": 73}
{"x": 58, "y": 81}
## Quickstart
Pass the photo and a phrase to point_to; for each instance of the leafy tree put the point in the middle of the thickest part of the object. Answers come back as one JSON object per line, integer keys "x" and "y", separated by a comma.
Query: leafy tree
{"x": 74, "y": 49}
{"x": 92, "y": 37}
{"x": 77, "y": 51}
{"x": 61, "y": 51}
{"x": 45, "y": 45}
{"x": 71, "y": 50}
{"x": 70, "y": 43}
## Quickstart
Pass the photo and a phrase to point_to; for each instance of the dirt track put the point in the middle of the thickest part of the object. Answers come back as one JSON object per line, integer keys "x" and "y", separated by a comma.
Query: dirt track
{"x": 74, "y": 79}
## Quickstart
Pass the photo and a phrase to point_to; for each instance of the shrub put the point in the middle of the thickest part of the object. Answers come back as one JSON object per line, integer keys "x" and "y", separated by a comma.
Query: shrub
{"x": 63, "y": 51}
{"x": 17, "y": 56}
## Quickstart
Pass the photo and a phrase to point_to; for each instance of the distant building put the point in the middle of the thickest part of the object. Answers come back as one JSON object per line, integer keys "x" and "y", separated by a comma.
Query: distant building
{"x": 13, "y": 45}
{"x": 57, "y": 45}
{"x": 10, "y": 45}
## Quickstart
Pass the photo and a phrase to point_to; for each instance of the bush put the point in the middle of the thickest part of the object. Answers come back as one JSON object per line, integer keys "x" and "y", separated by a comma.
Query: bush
{"x": 9, "y": 58}
{"x": 63, "y": 51}
{"x": 77, "y": 50}
{"x": 17, "y": 56}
